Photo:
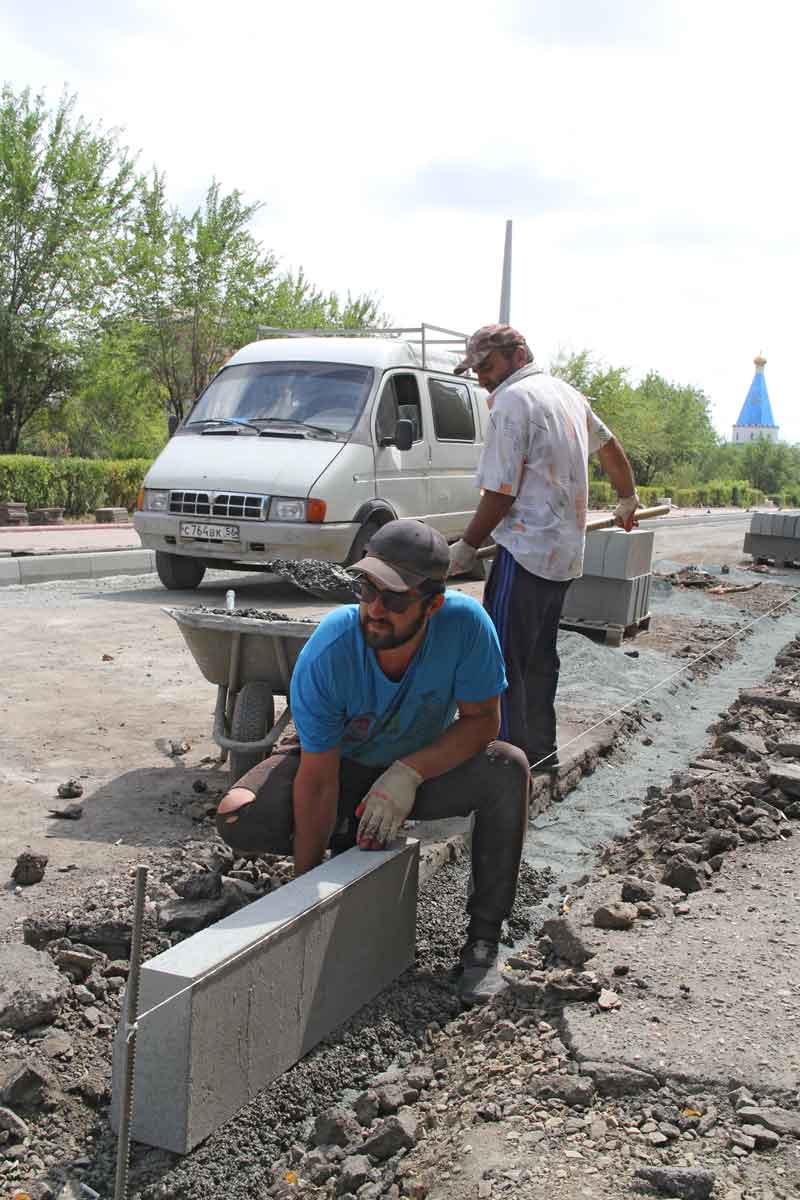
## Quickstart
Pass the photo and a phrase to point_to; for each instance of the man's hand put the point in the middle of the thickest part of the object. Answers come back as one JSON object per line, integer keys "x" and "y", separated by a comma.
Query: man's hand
{"x": 624, "y": 513}
{"x": 462, "y": 558}
{"x": 386, "y": 805}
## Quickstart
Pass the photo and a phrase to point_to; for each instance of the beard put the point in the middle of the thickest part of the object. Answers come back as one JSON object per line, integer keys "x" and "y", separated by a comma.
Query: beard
{"x": 380, "y": 635}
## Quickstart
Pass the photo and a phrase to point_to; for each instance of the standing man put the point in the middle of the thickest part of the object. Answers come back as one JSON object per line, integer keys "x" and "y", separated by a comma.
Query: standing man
{"x": 534, "y": 476}
{"x": 374, "y": 694}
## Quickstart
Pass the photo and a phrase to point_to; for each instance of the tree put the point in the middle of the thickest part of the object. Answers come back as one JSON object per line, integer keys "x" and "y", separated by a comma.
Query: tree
{"x": 65, "y": 194}
{"x": 767, "y": 465}
{"x": 664, "y": 427}
{"x": 201, "y": 285}
{"x": 114, "y": 408}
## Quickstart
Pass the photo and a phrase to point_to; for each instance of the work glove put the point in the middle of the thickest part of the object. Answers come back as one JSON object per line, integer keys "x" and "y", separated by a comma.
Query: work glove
{"x": 386, "y": 805}
{"x": 462, "y": 558}
{"x": 624, "y": 513}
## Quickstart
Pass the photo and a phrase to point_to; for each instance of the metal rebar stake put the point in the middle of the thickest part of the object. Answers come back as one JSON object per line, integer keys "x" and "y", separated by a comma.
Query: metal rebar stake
{"x": 129, "y": 1060}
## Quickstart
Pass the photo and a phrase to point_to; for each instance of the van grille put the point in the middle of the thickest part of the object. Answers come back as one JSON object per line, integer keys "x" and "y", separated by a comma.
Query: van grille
{"x": 229, "y": 505}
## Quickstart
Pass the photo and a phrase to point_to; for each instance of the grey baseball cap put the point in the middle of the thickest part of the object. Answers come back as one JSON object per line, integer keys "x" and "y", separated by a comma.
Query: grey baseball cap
{"x": 405, "y": 554}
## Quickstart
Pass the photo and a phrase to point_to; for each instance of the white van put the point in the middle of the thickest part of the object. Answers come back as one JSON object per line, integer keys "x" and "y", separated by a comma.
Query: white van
{"x": 301, "y": 447}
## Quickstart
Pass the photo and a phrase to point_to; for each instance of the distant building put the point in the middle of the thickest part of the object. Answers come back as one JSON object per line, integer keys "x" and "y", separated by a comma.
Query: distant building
{"x": 756, "y": 419}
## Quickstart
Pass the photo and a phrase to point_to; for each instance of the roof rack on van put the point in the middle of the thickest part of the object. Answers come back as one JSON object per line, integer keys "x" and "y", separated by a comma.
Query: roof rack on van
{"x": 415, "y": 334}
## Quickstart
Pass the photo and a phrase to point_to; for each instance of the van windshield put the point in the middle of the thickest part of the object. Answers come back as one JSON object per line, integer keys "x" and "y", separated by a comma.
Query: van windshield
{"x": 328, "y": 396}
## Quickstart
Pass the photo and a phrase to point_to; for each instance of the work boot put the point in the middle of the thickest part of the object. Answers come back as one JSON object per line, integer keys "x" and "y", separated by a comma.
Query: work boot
{"x": 479, "y": 980}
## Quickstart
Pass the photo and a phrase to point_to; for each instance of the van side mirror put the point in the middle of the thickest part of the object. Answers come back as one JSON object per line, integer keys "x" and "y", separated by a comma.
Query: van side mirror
{"x": 404, "y": 434}
{"x": 172, "y": 423}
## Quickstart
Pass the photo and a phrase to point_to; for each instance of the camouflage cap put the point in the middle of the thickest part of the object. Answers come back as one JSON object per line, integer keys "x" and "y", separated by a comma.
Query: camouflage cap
{"x": 485, "y": 340}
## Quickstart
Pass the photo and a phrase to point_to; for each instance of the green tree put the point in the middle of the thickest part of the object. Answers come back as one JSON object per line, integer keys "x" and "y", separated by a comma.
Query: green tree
{"x": 664, "y": 427}
{"x": 115, "y": 409}
{"x": 65, "y": 193}
{"x": 767, "y": 465}
{"x": 201, "y": 285}
{"x": 197, "y": 287}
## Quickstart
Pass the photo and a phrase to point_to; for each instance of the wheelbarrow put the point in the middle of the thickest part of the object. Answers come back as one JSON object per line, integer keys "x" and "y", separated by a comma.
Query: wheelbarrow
{"x": 250, "y": 661}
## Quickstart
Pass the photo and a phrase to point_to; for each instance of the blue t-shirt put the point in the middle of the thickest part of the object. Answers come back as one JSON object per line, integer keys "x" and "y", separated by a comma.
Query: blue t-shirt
{"x": 341, "y": 697}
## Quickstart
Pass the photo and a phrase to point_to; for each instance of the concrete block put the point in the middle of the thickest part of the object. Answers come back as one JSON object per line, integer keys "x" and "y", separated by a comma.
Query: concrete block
{"x": 594, "y": 553}
{"x": 13, "y": 512}
{"x": 763, "y": 545}
{"x": 628, "y": 555}
{"x": 615, "y": 554}
{"x": 607, "y": 601}
{"x": 111, "y": 516}
{"x": 261, "y": 988}
{"x": 760, "y": 523}
{"x": 39, "y": 568}
{"x": 46, "y": 516}
{"x": 122, "y": 562}
{"x": 9, "y": 571}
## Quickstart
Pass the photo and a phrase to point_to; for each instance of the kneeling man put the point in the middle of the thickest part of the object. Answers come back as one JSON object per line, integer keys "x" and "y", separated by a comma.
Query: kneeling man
{"x": 374, "y": 695}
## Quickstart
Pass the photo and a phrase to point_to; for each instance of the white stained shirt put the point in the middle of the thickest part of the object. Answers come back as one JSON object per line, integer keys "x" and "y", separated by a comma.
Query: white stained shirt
{"x": 540, "y": 435}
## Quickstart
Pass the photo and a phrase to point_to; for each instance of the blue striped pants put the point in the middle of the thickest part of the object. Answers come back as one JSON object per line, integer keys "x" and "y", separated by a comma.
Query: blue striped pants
{"x": 525, "y": 610}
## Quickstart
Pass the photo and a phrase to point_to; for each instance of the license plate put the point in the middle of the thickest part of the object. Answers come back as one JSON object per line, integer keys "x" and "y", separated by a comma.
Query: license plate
{"x": 210, "y": 533}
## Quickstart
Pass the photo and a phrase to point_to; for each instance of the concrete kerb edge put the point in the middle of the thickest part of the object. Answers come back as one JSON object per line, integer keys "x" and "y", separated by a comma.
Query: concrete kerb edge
{"x": 51, "y": 568}
{"x": 436, "y": 854}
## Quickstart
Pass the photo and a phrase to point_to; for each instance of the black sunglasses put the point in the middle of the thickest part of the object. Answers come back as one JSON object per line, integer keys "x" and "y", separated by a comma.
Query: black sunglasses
{"x": 395, "y": 602}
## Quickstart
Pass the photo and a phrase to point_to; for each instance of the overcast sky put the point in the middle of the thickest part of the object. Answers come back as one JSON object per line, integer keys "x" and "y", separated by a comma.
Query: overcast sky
{"x": 646, "y": 150}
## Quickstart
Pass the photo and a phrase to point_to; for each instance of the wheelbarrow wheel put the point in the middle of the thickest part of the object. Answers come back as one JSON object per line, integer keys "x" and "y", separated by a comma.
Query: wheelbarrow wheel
{"x": 253, "y": 717}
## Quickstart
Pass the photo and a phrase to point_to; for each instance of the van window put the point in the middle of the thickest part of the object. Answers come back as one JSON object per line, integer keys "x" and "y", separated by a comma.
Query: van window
{"x": 453, "y": 419}
{"x": 399, "y": 399}
{"x": 326, "y": 395}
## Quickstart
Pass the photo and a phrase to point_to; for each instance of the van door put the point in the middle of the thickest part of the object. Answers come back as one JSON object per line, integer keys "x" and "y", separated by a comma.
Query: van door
{"x": 455, "y": 447}
{"x": 401, "y": 478}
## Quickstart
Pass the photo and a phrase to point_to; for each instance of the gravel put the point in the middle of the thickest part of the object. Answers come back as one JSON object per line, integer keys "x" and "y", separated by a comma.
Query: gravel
{"x": 237, "y": 1159}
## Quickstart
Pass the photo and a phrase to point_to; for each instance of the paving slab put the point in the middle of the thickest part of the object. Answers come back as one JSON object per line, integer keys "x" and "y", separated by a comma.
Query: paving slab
{"x": 287, "y": 970}
{"x": 713, "y": 997}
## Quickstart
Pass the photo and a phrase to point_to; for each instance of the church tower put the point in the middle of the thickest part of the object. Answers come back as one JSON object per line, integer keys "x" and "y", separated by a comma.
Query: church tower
{"x": 756, "y": 419}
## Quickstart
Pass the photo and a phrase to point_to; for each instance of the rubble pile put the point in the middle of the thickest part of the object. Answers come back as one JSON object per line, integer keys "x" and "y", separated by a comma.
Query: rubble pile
{"x": 744, "y": 789}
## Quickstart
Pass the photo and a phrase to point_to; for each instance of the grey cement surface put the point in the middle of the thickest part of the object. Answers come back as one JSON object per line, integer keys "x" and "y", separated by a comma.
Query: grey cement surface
{"x": 267, "y": 984}
{"x": 713, "y": 998}
{"x": 677, "y": 711}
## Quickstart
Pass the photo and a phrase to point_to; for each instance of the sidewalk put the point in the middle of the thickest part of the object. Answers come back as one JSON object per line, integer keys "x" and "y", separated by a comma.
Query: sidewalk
{"x": 66, "y": 539}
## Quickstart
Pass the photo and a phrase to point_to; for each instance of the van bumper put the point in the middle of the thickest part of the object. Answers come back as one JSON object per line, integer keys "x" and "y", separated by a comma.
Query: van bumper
{"x": 258, "y": 542}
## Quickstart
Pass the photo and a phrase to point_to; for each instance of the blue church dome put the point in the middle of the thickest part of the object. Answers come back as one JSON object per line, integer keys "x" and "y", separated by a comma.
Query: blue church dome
{"x": 757, "y": 409}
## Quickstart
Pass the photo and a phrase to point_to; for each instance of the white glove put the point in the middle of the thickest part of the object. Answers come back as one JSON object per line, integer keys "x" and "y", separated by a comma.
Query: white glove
{"x": 624, "y": 512}
{"x": 387, "y": 804}
{"x": 462, "y": 558}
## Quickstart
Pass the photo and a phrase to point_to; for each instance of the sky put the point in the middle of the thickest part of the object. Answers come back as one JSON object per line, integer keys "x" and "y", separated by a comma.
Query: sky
{"x": 646, "y": 151}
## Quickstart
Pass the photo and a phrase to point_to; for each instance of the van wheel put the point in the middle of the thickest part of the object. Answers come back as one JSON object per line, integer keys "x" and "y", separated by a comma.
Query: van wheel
{"x": 361, "y": 539}
{"x": 178, "y": 573}
{"x": 253, "y": 717}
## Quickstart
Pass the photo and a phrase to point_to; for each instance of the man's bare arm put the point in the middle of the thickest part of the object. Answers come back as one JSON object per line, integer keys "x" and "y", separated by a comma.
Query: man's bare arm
{"x": 316, "y": 800}
{"x": 478, "y": 724}
{"x": 615, "y": 463}
{"x": 492, "y": 507}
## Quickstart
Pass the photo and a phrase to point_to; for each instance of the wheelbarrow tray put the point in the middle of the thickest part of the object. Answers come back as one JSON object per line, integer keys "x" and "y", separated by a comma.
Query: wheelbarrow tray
{"x": 262, "y": 645}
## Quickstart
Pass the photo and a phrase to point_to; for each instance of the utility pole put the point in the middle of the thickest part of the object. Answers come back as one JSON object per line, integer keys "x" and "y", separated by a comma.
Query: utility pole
{"x": 505, "y": 289}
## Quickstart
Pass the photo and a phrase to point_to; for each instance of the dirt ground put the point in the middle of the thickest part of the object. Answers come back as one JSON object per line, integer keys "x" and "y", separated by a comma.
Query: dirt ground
{"x": 99, "y": 684}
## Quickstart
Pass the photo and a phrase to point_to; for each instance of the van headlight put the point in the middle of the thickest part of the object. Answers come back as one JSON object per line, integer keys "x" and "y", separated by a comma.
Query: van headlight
{"x": 284, "y": 509}
{"x": 156, "y": 500}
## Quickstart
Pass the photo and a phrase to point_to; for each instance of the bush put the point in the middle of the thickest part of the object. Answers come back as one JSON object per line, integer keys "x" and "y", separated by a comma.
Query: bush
{"x": 78, "y": 485}
{"x": 601, "y": 494}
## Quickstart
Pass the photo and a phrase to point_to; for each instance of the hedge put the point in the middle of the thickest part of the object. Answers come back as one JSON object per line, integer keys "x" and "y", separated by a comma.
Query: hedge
{"x": 718, "y": 493}
{"x": 78, "y": 485}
